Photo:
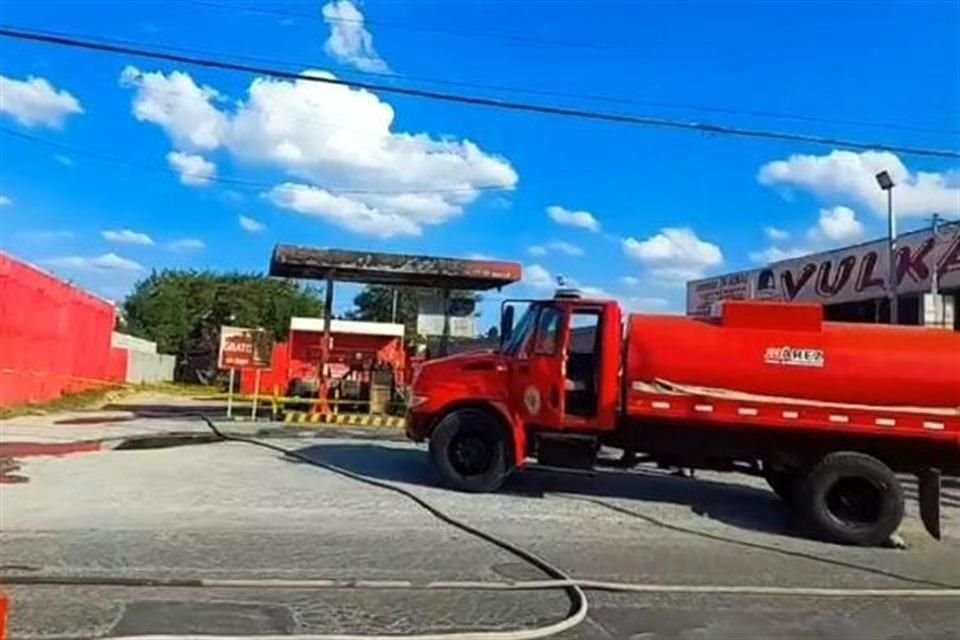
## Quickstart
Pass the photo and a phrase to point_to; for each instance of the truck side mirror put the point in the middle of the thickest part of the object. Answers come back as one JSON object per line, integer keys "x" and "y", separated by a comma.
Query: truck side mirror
{"x": 506, "y": 324}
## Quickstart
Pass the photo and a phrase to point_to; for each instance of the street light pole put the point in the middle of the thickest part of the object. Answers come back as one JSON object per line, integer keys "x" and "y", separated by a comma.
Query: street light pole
{"x": 892, "y": 224}
{"x": 886, "y": 183}
{"x": 935, "y": 276}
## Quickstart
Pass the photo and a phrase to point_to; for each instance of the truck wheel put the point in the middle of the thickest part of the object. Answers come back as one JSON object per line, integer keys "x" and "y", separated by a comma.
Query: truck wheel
{"x": 852, "y": 498}
{"x": 784, "y": 483}
{"x": 469, "y": 451}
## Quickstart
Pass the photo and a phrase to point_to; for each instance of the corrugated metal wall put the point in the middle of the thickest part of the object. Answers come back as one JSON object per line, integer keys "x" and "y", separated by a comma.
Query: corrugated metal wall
{"x": 149, "y": 367}
{"x": 54, "y": 337}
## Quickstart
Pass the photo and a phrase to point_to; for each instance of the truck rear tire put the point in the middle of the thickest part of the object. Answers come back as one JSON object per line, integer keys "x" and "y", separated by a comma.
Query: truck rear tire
{"x": 469, "y": 451}
{"x": 852, "y": 498}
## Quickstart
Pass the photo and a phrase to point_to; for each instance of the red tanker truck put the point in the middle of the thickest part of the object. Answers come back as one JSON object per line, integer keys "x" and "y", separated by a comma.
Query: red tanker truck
{"x": 829, "y": 413}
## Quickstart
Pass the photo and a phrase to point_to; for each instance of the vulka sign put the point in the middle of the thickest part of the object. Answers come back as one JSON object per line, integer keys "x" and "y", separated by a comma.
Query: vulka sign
{"x": 844, "y": 275}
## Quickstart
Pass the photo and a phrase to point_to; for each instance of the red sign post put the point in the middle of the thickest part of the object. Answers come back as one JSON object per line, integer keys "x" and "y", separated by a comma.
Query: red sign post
{"x": 242, "y": 348}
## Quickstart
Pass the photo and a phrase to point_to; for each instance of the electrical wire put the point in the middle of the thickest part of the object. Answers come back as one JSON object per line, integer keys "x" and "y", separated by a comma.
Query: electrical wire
{"x": 541, "y": 109}
{"x": 563, "y": 94}
{"x": 230, "y": 181}
{"x": 408, "y": 27}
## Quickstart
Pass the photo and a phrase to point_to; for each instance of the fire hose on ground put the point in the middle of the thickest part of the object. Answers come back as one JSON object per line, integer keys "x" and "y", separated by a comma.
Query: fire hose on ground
{"x": 574, "y": 588}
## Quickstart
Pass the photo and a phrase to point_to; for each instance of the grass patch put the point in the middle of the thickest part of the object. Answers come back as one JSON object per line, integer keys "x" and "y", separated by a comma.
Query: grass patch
{"x": 97, "y": 398}
{"x": 70, "y": 402}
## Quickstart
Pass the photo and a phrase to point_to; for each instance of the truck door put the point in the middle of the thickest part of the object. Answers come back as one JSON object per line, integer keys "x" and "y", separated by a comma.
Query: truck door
{"x": 538, "y": 371}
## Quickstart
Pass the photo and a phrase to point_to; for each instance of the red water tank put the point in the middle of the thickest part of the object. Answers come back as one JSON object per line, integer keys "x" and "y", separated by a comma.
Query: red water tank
{"x": 787, "y": 350}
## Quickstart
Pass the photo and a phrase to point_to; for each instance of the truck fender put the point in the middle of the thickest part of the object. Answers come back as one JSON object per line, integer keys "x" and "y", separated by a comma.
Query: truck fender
{"x": 928, "y": 494}
{"x": 515, "y": 427}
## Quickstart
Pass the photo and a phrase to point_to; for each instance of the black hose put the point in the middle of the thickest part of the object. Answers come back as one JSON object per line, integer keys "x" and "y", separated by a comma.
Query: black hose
{"x": 578, "y": 601}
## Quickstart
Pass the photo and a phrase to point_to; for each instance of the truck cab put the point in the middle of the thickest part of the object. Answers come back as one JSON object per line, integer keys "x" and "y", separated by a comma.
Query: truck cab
{"x": 549, "y": 388}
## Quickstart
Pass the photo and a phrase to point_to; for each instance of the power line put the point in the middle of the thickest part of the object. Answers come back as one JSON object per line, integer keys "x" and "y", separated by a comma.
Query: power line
{"x": 231, "y": 181}
{"x": 509, "y": 37}
{"x": 533, "y": 91}
{"x": 761, "y": 113}
{"x": 542, "y": 109}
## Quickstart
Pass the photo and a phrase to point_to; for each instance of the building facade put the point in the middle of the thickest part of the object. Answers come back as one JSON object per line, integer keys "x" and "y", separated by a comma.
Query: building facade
{"x": 852, "y": 282}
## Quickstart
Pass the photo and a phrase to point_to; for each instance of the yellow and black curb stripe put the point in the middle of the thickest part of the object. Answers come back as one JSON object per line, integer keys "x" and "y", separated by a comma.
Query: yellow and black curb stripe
{"x": 344, "y": 419}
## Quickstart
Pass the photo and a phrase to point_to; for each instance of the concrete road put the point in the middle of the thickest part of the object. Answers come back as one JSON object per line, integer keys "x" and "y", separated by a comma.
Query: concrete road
{"x": 230, "y": 510}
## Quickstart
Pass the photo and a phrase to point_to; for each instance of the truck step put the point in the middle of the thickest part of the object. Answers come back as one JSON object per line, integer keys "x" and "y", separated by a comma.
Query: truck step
{"x": 567, "y": 451}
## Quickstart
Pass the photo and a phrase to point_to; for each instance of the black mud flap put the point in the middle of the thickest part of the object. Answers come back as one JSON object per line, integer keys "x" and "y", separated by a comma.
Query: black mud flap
{"x": 929, "y": 496}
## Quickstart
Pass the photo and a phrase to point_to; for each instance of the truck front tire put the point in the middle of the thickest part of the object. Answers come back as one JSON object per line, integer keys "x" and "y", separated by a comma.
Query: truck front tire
{"x": 469, "y": 451}
{"x": 852, "y": 498}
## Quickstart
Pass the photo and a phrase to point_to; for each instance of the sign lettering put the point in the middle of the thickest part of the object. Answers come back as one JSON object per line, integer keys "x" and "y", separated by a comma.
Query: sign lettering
{"x": 843, "y": 275}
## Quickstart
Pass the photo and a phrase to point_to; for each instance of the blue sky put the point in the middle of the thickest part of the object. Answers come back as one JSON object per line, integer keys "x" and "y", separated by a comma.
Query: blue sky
{"x": 128, "y": 162}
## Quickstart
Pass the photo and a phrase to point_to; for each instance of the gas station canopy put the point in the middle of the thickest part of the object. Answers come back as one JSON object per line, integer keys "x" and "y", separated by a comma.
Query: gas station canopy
{"x": 368, "y": 267}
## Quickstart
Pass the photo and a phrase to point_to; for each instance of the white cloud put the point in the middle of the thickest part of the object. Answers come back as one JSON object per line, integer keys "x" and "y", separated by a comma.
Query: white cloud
{"x": 343, "y": 212}
{"x": 323, "y": 135}
{"x": 629, "y": 281}
{"x": 644, "y": 304}
{"x": 182, "y": 108}
{"x": 186, "y": 244}
{"x": 556, "y": 246}
{"x": 565, "y": 247}
{"x": 35, "y": 102}
{"x": 775, "y": 234}
{"x": 250, "y": 225}
{"x": 568, "y": 218}
{"x": 127, "y": 236}
{"x": 66, "y": 161}
{"x": 674, "y": 254}
{"x": 194, "y": 170}
{"x": 105, "y": 262}
{"x": 479, "y": 256}
{"x": 5, "y": 201}
{"x": 538, "y": 277}
{"x": 776, "y": 254}
{"x": 851, "y": 177}
{"x": 837, "y": 225}
{"x": 594, "y": 292}
{"x": 349, "y": 41}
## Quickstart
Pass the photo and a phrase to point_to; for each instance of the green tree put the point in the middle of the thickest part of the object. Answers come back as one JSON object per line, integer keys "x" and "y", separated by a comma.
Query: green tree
{"x": 375, "y": 304}
{"x": 182, "y": 311}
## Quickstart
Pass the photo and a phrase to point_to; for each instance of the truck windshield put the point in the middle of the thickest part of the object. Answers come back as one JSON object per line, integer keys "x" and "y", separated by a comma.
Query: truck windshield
{"x": 521, "y": 332}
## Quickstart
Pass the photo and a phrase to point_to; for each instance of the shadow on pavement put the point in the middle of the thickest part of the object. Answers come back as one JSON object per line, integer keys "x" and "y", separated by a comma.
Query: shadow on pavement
{"x": 743, "y": 507}
{"x": 737, "y": 505}
{"x": 171, "y": 411}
